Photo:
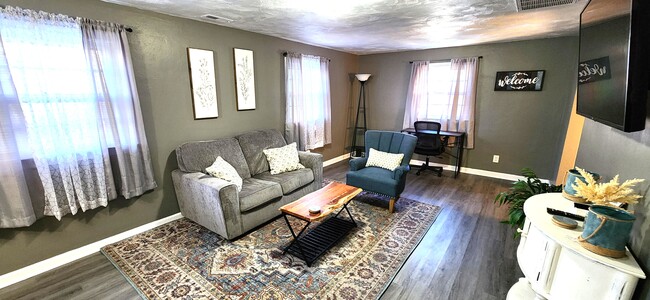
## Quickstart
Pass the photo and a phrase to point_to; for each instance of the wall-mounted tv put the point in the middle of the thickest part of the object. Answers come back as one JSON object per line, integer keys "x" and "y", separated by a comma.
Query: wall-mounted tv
{"x": 613, "y": 72}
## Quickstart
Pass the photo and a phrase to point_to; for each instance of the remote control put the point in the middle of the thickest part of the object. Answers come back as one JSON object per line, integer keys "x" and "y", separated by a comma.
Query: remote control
{"x": 569, "y": 215}
{"x": 581, "y": 205}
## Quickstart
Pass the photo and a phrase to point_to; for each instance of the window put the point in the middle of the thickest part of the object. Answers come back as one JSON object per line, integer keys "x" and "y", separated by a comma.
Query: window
{"x": 443, "y": 92}
{"x": 308, "y": 112}
{"x": 67, "y": 94}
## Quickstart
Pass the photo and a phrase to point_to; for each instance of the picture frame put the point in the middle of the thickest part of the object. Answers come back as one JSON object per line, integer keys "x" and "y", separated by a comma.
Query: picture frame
{"x": 510, "y": 81}
{"x": 244, "y": 79}
{"x": 202, "y": 83}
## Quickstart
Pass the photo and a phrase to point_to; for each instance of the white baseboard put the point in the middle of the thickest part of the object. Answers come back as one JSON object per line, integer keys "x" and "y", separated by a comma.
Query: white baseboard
{"x": 466, "y": 170}
{"x": 72, "y": 255}
{"x": 336, "y": 159}
{"x": 415, "y": 162}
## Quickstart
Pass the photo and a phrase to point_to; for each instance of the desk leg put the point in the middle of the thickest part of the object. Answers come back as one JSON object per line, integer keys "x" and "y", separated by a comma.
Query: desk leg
{"x": 460, "y": 142}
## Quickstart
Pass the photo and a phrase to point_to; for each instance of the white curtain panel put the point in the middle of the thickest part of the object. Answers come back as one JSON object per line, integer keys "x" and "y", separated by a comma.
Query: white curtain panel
{"x": 308, "y": 104}
{"x": 417, "y": 95}
{"x": 54, "y": 83}
{"x": 108, "y": 51}
{"x": 15, "y": 205}
{"x": 462, "y": 98}
{"x": 76, "y": 98}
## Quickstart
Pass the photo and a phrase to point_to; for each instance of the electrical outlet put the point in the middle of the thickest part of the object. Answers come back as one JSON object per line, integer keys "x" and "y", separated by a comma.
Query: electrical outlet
{"x": 495, "y": 159}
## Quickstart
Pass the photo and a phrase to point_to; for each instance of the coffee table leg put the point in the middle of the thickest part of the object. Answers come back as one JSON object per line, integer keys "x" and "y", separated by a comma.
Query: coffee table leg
{"x": 295, "y": 240}
{"x": 349, "y": 214}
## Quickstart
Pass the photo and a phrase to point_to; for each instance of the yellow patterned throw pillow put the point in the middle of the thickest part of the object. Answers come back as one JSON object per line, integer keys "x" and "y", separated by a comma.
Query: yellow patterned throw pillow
{"x": 283, "y": 159}
{"x": 223, "y": 170}
{"x": 385, "y": 160}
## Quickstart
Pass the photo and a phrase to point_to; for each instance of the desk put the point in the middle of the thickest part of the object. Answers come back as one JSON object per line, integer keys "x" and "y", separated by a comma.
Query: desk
{"x": 458, "y": 144}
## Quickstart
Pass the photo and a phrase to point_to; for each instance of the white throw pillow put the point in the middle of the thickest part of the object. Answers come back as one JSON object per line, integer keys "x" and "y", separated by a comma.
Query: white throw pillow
{"x": 223, "y": 170}
{"x": 385, "y": 160}
{"x": 283, "y": 159}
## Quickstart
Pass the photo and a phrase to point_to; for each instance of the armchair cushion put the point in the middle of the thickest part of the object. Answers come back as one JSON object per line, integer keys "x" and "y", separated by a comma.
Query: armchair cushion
{"x": 374, "y": 179}
{"x": 388, "y": 161}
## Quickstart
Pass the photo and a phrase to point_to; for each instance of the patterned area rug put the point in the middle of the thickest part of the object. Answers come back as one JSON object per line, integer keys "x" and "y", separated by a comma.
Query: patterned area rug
{"x": 183, "y": 260}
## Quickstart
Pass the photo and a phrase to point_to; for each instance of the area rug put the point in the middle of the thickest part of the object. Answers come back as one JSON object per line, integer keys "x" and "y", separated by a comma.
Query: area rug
{"x": 182, "y": 260}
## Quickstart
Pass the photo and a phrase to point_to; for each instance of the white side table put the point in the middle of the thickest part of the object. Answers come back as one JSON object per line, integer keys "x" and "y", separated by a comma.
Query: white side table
{"x": 555, "y": 266}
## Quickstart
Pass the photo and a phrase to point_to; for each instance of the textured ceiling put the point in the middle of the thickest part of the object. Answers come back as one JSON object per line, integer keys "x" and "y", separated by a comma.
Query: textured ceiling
{"x": 377, "y": 26}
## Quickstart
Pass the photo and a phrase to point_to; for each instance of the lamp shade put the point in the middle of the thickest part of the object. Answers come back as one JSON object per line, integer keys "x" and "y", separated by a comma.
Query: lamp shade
{"x": 362, "y": 77}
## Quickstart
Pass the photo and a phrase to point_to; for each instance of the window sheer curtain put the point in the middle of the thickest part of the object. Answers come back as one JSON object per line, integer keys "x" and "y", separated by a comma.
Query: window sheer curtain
{"x": 108, "y": 52}
{"x": 68, "y": 87}
{"x": 308, "y": 105}
{"x": 460, "y": 109}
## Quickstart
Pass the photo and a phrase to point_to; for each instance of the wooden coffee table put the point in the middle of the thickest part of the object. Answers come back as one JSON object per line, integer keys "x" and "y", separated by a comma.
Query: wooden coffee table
{"x": 320, "y": 239}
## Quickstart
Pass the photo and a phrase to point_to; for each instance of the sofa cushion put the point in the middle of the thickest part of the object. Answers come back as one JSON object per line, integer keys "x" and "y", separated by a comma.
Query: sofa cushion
{"x": 289, "y": 181}
{"x": 252, "y": 143}
{"x": 197, "y": 156}
{"x": 256, "y": 192}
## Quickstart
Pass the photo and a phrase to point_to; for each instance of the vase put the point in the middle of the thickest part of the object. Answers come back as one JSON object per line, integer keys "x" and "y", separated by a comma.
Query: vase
{"x": 571, "y": 177}
{"x": 606, "y": 230}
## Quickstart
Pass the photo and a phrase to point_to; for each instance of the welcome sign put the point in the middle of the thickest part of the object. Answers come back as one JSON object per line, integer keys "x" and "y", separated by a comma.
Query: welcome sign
{"x": 594, "y": 70}
{"x": 519, "y": 81}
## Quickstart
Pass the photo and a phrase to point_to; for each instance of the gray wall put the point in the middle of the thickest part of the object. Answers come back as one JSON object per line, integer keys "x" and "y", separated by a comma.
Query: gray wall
{"x": 608, "y": 151}
{"x": 526, "y": 129}
{"x": 158, "y": 48}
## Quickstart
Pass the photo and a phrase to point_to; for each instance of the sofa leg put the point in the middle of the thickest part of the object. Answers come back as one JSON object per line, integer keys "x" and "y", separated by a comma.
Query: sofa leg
{"x": 391, "y": 205}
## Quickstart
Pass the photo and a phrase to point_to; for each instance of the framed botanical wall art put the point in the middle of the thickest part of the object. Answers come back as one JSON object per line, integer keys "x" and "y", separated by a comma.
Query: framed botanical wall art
{"x": 244, "y": 79}
{"x": 202, "y": 83}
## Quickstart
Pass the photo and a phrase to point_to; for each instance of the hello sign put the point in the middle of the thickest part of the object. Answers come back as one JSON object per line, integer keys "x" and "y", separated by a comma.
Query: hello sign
{"x": 519, "y": 81}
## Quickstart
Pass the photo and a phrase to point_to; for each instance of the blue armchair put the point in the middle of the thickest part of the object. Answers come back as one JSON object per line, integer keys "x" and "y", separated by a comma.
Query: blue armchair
{"x": 379, "y": 180}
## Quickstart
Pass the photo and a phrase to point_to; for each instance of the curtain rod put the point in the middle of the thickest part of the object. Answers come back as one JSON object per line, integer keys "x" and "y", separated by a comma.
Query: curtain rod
{"x": 441, "y": 60}
{"x": 128, "y": 29}
{"x": 285, "y": 55}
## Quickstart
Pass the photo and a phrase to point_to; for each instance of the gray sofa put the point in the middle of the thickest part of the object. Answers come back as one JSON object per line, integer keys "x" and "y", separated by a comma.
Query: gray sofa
{"x": 215, "y": 203}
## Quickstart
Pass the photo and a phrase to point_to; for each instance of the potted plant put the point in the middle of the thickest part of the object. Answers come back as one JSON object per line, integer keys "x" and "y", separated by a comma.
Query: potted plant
{"x": 517, "y": 195}
{"x": 607, "y": 228}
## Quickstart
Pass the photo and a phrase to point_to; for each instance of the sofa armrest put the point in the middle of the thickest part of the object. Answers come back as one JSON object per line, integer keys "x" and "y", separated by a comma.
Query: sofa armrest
{"x": 358, "y": 163}
{"x": 313, "y": 161}
{"x": 310, "y": 160}
{"x": 400, "y": 171}
{"x": 211, "y": 202}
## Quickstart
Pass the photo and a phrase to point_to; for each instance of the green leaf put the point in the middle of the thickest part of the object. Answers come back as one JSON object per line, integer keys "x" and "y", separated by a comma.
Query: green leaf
{"x": 517, "y": 195}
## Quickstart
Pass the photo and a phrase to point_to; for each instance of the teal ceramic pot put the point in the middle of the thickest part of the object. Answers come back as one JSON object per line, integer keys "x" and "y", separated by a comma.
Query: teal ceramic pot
{"x": 572, "y": 176}
{"x": 606, "y": 230}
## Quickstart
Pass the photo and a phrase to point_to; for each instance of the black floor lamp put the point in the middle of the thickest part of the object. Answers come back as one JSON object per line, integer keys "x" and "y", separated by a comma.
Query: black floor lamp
{"x": 357, "y": 150}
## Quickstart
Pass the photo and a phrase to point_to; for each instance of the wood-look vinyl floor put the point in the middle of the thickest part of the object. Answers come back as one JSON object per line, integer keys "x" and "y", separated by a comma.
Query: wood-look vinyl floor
{"x": 466, "y": 254}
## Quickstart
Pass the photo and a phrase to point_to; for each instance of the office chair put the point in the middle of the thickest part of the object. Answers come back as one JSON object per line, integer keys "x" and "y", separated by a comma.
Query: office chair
{"x": 429, "y": 144}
